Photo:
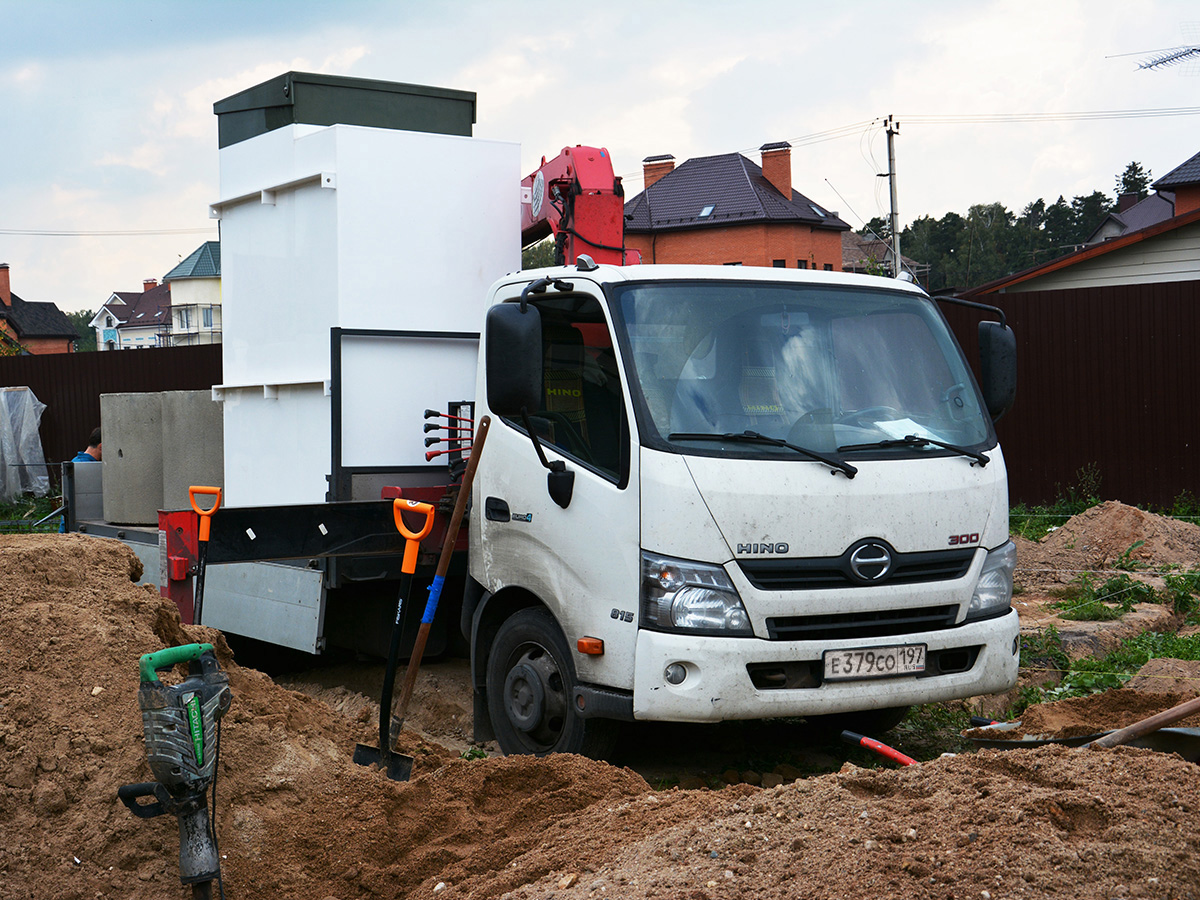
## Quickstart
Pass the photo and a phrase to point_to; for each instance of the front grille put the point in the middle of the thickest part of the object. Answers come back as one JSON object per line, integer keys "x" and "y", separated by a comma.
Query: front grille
{"x": 828, "y": 573}
{"x": 858, "y": 625}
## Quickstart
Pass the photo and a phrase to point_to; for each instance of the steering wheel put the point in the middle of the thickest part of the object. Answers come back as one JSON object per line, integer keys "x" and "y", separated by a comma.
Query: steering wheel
{"x": 575, "y": 442}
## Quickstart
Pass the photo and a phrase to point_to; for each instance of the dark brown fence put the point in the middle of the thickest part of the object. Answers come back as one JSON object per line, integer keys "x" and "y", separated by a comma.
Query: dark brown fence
{"x": 1107, "y": 381}
{"x": 70, "y": 384}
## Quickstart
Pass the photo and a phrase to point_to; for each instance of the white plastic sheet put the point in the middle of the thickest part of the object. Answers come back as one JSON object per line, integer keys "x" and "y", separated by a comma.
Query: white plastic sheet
{"x": 22, "y": 463}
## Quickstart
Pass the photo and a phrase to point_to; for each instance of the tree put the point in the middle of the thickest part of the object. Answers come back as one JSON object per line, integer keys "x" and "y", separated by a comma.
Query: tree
{"x": 87, "y": 334}
{"x": 877, "y": 228}
{"x": 539, "y": 255}
{"x": 1134, "y": 180}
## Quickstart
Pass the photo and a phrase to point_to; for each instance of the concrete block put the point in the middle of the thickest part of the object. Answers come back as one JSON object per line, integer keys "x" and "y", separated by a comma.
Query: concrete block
{"x": 133, "y": 460}
{"x": 192, "y": 444}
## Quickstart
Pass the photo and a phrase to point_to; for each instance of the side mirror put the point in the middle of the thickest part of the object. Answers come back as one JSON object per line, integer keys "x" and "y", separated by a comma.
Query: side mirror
{"x": 514, "y": 359}
{"x": 998, "y": 362}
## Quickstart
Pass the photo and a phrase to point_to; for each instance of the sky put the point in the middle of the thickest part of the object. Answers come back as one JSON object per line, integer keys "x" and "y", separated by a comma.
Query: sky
{"x": 108, "y": 148}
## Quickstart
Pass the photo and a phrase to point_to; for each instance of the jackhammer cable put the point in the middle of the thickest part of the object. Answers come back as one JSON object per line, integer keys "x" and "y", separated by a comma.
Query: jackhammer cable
{"x": 212, "y": 818}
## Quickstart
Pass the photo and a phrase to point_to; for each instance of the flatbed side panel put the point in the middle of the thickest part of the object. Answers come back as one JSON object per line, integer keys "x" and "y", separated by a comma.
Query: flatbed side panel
{"x": 271, "y": 602}
{"x": 284, "y": 605}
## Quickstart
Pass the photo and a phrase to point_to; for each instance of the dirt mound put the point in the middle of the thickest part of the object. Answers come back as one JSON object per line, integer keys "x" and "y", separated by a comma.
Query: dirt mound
{"x": 1045, "y": 823}
{"x": 296, "y": 818}
{"x": 1099, "y": 537}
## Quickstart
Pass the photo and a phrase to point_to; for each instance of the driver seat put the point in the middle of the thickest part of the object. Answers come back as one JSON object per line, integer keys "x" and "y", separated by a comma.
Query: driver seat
{"x": 562, "y": 378}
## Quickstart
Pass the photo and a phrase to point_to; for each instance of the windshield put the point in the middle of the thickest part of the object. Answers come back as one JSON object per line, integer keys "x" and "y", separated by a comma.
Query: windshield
{"x": 820, "y": 367}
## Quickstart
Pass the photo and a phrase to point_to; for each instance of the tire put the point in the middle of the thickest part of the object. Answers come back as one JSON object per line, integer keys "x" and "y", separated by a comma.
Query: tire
{"x": 869, "y": 722}
{"x": 530, "y": 684}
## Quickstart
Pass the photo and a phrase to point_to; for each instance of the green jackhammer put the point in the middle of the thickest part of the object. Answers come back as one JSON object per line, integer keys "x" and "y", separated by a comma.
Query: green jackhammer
{"x": 183, "y": 734}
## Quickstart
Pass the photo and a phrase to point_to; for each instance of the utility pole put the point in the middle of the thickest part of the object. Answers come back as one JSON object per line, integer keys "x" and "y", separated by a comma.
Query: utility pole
{"x": 893, "y": 128}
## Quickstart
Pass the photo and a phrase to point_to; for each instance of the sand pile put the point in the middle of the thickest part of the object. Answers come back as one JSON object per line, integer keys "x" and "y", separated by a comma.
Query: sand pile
{"x": 297, "y": 818}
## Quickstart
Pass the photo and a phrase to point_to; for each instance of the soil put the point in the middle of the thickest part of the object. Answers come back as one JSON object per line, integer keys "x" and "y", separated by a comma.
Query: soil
{"x": 297, "y": 818}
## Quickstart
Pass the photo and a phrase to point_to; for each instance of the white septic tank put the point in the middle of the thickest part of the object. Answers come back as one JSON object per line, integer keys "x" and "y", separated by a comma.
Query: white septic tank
{"x": 355, "y": 263}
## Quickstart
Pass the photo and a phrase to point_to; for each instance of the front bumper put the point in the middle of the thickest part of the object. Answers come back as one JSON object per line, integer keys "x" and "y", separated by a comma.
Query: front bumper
{"x": 748, "y": 678}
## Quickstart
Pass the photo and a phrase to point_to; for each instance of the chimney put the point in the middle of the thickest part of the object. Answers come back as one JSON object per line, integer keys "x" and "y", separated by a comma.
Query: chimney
{"x": 5, "y": 287}
{"x": 149, "y": 284}
{"x": 777, "y": 166}
{"x": 1125, "y": 201}
{"x": 655, "y": 167}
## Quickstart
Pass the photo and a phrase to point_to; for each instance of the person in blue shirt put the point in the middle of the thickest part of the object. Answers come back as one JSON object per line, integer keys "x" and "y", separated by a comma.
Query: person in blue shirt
{"x": 92, "y": 453}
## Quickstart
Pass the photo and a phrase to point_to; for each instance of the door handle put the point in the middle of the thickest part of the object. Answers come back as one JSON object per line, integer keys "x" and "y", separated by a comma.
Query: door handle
{"x": 495, "y": 510}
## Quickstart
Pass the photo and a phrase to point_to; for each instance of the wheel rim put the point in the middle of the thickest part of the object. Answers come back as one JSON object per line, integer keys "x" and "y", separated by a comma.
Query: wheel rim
{"x": 535, "y": 700}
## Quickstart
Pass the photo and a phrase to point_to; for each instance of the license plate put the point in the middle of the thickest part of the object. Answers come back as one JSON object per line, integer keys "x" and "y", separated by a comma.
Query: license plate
{"x": 876, "y": 662}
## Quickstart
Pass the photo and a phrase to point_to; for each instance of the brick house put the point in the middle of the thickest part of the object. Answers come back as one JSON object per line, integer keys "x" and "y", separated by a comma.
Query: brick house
{"x": 34, "y": 328}
{"x": 1184, "y": 181}
{"x": 725, "y": 210}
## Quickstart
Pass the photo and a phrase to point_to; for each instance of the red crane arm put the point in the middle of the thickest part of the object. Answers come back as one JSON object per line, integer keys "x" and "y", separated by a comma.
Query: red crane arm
{"x": 577, "y": 198}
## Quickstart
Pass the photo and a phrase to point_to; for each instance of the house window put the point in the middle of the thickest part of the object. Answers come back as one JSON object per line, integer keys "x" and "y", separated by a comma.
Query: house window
{"x": 779, "y": 263}
{"x": 185, "y": 319}
{"x": 206, "y": 314}
{"x": 108, "y": 321}
{"x": 802, "y": 264}
{"x": 828, "y": 267}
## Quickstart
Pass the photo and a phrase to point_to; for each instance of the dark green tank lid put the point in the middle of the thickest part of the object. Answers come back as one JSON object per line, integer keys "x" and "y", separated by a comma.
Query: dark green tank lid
{"x": 305, "y": 98}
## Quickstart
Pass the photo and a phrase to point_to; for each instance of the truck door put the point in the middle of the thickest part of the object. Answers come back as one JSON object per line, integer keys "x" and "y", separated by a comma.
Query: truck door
{"x": 582, "y": 561}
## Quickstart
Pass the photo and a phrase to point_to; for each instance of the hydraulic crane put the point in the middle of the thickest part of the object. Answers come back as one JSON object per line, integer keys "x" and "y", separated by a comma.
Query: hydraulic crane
{"x": 577, "y": 198}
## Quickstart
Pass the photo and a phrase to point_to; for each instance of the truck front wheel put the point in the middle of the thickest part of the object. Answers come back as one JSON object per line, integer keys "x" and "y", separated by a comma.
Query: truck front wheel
{"x": 530, "y": 682}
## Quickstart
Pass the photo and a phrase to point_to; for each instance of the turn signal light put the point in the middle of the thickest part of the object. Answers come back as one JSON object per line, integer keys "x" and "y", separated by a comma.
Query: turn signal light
{"x": 592, "y": 646}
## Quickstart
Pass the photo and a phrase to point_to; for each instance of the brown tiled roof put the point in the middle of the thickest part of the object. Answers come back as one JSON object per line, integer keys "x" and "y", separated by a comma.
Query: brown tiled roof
{"x": 727, "y": 189}
{"x": 1183, "y": 174}
{"x": 141, "y": 310}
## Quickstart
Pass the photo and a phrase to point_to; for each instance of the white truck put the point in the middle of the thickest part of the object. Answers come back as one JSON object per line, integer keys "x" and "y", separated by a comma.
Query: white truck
{"x": 709, "y": 493}
{"x": 732, "y": 493}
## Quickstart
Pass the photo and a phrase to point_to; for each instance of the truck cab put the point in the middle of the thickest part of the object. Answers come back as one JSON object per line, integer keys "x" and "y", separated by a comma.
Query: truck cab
{"x": 731, "y": 493}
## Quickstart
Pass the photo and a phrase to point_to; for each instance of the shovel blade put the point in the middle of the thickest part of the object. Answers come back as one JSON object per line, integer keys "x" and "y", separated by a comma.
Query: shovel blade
{"x": 396, "y": 766}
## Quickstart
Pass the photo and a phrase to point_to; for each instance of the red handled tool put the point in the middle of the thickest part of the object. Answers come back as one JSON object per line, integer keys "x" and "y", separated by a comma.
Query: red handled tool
{"x": 891, "y": 753}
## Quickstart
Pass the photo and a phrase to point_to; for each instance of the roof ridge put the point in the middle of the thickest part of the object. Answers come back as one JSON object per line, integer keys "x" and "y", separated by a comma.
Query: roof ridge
{"x": 750, "y": 183}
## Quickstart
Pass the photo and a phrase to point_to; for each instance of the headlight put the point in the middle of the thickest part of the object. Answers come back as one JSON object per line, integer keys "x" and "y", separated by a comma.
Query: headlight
{"x": 993, "y": 593}
{"x": 678, "y": 595}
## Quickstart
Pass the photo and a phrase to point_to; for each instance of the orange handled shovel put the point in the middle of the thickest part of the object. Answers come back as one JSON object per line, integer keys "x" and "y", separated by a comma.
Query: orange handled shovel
{"x": 397, "y": 766}
{"x": 202, "y": 545}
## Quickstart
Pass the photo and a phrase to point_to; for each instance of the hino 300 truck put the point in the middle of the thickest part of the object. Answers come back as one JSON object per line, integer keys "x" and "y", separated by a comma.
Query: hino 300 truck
{"x": 708, "y": 493}
{"x": 720, "y": 493}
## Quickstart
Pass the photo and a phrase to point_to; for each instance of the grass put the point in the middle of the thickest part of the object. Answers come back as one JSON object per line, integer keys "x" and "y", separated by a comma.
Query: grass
{"x": 1083, "y": 600}
{"x": 20, "y": 515}
{"x": 1092, "y": 675}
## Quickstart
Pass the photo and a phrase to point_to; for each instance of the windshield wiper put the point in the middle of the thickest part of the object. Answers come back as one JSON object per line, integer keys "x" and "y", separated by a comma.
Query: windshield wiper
{"x": 754, "y": 437}
{"x": 913, "y": 440}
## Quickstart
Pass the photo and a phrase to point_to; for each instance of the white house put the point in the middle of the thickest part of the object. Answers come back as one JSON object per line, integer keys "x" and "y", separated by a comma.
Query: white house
{"x": 196, "y": 297}
{"x": 184, "y": 310}
{"x": 132, "y": 321}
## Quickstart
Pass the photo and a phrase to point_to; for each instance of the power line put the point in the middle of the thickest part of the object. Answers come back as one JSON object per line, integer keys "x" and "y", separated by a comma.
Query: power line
{"x": 41, "y": 232}
{"x": 1002, "y": 118}
{"x": 857, "y": 128}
